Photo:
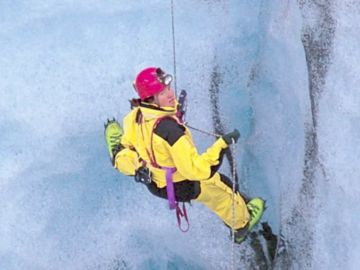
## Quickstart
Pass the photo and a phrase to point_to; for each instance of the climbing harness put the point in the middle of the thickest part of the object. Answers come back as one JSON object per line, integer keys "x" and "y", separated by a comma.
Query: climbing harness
{"x": 170, "y": 188}
{"x": 169, "y": 171}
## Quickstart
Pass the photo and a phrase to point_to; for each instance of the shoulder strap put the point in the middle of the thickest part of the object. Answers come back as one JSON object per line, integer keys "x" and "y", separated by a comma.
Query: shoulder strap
{"x": 158, "y": 121}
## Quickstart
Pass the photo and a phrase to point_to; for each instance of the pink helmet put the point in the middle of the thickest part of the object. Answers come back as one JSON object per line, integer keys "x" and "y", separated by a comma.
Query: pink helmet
{"x": 151, "y": 81}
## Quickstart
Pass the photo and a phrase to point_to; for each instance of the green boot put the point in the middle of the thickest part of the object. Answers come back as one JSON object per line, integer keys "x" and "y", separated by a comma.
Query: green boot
{"x": 113, "y": 134}
{"x": 256, "y": 209}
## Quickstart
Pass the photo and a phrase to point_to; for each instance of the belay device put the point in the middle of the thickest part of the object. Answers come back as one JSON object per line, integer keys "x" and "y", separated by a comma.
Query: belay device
{"x": 181, "y": 108}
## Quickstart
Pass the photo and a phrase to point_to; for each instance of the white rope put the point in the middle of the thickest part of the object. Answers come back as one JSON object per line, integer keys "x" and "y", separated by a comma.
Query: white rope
{"x": 233, "y": 152}
{"x": 211, "y": 134}
{"x": 173, "y": 41}
{"x": 174, "y": 63}
{"x": 233, "y": 149}
{"x": 203, "y": 131}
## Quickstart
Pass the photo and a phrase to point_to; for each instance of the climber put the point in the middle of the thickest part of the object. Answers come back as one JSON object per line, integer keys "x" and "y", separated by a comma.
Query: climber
{"x": 156, "y": 147}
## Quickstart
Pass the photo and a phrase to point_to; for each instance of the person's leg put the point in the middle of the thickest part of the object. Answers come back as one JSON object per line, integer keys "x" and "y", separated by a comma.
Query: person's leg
{"x": 218, "y": 196}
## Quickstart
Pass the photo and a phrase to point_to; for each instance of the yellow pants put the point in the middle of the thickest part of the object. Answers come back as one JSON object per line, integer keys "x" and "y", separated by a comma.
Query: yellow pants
{"x": 216, "y": 195}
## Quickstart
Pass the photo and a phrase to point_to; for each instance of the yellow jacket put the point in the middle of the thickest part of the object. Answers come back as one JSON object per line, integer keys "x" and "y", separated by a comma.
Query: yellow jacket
{"x": 171, "y": 143}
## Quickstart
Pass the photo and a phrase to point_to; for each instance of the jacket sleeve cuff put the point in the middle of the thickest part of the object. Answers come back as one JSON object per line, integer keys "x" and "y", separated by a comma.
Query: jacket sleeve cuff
{"x": 221, "y": 143}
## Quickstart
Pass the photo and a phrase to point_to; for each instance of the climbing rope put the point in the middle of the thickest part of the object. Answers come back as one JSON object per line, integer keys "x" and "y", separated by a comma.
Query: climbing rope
{"x": 203, "y": 131}
{"x": 233, "y": 174}
{"x": 210, "y": 134}
{"x": 233, "y": 151}
{"x": 173, "y": 41}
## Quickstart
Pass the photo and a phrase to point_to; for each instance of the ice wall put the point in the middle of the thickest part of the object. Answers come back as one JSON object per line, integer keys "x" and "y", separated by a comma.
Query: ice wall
{"x": 335, "y": 244}
{"x": 66, "y": 66}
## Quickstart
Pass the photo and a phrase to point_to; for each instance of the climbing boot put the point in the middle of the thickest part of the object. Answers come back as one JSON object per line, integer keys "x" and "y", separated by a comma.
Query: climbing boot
{"x": 256, "y": 209}
{"x": 113, "y": 134}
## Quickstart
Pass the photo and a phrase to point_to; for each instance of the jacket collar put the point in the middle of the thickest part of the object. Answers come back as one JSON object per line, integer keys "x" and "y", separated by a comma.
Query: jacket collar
{"x": 152, "y": 111}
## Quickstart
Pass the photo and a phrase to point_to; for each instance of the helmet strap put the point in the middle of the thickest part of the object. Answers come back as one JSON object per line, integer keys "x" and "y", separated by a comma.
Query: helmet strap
{"x": 156, "y": 100}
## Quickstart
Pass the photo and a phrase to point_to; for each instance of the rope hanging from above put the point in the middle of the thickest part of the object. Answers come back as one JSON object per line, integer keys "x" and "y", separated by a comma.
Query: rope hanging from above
{"x": 233, "y": 150}
{"x": 173, "y": 41}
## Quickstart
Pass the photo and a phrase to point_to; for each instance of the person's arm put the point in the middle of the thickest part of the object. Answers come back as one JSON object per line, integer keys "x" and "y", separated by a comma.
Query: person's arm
{"x": 127, "y": 160}
{"x": 193, "y": 165}
{"x": 188, "y": 162}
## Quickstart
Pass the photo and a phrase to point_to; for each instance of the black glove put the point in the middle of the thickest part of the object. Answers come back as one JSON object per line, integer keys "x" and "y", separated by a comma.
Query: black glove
{"x": 143, "y": 175}
{"x": 232, "y": 136}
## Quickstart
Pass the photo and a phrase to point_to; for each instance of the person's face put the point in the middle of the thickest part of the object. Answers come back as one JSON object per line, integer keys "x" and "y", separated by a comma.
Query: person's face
{"x": 166, "y": 98}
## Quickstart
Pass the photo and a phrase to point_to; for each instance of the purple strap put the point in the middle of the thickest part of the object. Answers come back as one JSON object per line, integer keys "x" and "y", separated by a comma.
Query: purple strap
{"x": 170, "y": 186}
{"x": 179, "y": 215}
{"x": 173, "y": 204}
{"x": 170, "y": 190}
